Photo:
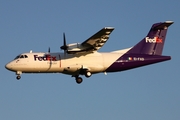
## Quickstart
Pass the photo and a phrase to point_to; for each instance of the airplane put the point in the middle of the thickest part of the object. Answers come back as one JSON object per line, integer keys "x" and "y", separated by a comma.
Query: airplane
{"x": 84, "y": 58}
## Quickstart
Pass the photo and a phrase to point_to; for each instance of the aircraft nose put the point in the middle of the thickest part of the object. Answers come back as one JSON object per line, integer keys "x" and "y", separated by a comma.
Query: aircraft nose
{"x": 8, "y": 66}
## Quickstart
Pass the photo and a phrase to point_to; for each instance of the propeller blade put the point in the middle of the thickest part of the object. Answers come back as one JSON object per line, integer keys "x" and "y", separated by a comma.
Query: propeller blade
{"x": 64, "y": 47}
{"x": 49, "y": 50}
{"x": 64, "y": 38}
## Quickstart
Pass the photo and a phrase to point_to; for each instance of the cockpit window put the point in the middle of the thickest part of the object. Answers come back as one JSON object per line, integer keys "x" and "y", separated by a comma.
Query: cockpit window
{"x": 21, "y": 56}
{"x": 16, "y": 57}
{"x": 25, "y": 56}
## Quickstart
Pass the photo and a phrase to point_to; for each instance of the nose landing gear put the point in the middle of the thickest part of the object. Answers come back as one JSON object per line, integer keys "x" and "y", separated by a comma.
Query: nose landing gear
{"x": 18, "y": 77}
{"x": 18, "y": 73}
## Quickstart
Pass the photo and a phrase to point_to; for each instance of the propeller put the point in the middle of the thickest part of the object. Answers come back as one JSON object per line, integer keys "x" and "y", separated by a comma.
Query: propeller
{"x": 49, "y": 50}
{"x": 64, "y": 47}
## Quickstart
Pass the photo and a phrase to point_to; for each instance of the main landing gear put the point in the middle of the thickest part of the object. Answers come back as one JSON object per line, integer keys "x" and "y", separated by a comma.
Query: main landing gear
{"x": 88, "y": 74}
{"x": 79, "y": 79}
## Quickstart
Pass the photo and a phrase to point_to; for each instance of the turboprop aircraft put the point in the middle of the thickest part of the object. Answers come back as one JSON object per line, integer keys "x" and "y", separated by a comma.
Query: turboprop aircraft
{"x": 83, "y": 58}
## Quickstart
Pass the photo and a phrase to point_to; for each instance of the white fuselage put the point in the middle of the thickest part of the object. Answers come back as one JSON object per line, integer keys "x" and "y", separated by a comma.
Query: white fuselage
{"x": 63, "y": 63}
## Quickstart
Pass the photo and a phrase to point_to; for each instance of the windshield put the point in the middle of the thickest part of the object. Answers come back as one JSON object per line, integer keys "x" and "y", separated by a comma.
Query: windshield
{"x": 16, "y": 57}
{"x": 20, "y": 56}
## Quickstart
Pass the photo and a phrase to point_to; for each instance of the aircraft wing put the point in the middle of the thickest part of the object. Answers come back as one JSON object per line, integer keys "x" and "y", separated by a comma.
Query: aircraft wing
{"x": 96, "y": 41}
{"x": 93, "y": 43}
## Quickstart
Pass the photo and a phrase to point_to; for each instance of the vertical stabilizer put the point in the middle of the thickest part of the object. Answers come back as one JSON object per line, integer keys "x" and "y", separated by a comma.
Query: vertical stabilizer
{"x": 153, "y": 43}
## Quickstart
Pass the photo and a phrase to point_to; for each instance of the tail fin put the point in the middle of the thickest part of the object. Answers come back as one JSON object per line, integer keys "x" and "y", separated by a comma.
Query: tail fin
{"x": 153, "y": 43}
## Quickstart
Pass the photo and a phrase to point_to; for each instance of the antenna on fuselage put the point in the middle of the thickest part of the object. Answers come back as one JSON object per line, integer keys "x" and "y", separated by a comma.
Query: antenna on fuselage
{"x": 30, "y": 51}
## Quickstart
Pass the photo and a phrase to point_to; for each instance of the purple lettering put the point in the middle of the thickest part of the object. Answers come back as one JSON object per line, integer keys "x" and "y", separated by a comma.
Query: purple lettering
{"x": 45, "y": 58}
{"x": 35, "y": 56}
{"x": 40, "y": 58}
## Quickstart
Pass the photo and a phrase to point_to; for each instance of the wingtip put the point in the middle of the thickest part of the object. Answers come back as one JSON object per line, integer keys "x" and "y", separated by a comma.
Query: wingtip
{"x": 109, "y": 28}
{"x": 169, "y": 21}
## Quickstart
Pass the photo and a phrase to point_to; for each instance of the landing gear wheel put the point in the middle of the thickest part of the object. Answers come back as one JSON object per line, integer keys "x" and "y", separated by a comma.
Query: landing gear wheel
{"x": 18, "y": 77}
{"x": 88, "y": 74}
{"x": 79, "y": 80}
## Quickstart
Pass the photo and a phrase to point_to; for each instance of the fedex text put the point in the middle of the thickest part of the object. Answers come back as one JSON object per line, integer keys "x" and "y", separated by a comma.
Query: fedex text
{"x": 153, "y": 40}
{"x": 45, "y": 58}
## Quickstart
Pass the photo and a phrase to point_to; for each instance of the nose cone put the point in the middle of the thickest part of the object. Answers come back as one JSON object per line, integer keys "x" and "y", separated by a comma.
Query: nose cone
{"x": 12, "y": 66}
{"x": 8, "y": 66}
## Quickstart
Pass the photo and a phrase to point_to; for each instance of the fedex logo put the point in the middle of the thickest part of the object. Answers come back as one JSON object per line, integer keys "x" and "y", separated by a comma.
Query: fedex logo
{"x": 153, "y": 40}
{"x": 45, "y": 58}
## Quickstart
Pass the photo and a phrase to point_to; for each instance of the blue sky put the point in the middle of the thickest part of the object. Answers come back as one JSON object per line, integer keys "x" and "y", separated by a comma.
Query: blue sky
{"x": 147, "y": 93}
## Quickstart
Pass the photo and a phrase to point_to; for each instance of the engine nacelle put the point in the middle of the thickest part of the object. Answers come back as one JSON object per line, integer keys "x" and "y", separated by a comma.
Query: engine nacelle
{"x": 74, "y": 47}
